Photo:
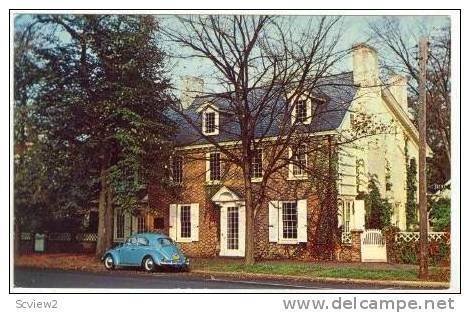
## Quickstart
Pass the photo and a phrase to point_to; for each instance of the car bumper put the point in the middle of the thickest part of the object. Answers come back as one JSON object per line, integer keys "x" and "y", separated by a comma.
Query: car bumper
{"x": 175, "y": 263}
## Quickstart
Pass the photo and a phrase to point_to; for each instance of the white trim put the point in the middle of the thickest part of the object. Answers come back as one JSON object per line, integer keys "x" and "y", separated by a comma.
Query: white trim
{"x": 208, "y": 171}
{"x": 302, "y": 208}
{"x": 216, "y": 121}
{"x": 273, "y": 221}
{"x": 194, "y": 212}
{"x": 224, "y": 194}
{"x": 291, "y": 175}
{"x": 172, "y": 221}
{"x": 308, "y": 104}
{"x": 172, "y": 178}
{"x": 178, "y": 223}
{"x": 224, "y": 251}
{"x": 206, "y": 105}
{"x": 259, "y": 179}
{"x": 236, "y": 143}
{"x": 302, "y": 220}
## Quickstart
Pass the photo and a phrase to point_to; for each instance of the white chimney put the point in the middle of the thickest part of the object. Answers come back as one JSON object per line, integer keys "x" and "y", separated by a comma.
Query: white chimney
{"x": 365, "y": 65}
{"x": 397, "y": 85}
{"x": 191, "y": 87}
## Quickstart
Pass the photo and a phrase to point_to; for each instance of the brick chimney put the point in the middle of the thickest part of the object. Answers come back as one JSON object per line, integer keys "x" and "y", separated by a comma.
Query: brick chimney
{"x": 191, "y": 87}
{"x": 365, "y": 65}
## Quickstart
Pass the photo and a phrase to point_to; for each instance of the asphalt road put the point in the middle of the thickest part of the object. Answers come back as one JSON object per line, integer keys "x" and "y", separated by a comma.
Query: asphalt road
{"x": 132, "y": 279}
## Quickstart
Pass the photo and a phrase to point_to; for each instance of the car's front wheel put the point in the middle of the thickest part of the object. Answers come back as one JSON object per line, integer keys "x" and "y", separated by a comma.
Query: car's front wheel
{"x": 148, "y": 264}
{"x": 108, "y": 262}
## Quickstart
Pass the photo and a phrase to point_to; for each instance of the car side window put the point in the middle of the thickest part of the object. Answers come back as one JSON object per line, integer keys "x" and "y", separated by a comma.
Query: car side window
{"x": 141, "y": 241}
{"x": 166, "y": 242}
{"x": 131, "y": 241}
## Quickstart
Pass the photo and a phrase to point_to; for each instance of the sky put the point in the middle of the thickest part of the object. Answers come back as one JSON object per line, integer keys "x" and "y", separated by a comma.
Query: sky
{"x": 355, "y": 29}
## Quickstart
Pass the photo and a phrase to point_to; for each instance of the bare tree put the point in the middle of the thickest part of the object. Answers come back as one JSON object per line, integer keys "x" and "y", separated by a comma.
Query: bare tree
{"x": 394, "y": 39}
{"x": 264, "y": 65}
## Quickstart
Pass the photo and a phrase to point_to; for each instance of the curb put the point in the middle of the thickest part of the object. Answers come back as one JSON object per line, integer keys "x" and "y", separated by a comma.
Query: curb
{"x": 385, "y": 283}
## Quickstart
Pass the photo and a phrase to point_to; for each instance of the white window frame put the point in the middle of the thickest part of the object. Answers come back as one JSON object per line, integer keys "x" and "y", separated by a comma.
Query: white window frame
{"x": 260, "y": 178}
{"x": 304, "y": 174}
{"x": 308, "y": 104}
{"x": 120, "y": 215}
{"x": 141, "y": 222}
{"x": 179, "y": 217}
{"x": 172, "y": 163}
{"x": 175, "y": 222}
{"x": 348, "y": 212}
{"x": 216, "y": 121}
{"x": 276, "y": 225}
{"x": 282, "y": 239}
{"x": 208, "y": 168}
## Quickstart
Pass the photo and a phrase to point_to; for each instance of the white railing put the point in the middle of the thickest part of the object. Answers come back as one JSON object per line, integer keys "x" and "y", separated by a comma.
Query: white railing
{"x": 406, "y": 236}
{"x": 60, "y": 237}
{"x": 92, "y": 237}
{"x": 82, "y": 237}
{"x": 25, "y": 236}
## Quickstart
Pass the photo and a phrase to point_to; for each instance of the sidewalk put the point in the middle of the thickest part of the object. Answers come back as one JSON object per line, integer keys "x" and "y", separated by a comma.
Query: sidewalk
{"x": 382, "y": 274}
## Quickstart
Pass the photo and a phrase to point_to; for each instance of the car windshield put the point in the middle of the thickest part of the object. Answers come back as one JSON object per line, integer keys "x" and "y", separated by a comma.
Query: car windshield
{"x": 166, "y": 241}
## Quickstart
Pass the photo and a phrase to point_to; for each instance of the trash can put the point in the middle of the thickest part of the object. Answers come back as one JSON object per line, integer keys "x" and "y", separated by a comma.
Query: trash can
{"x": 39, "y": 242}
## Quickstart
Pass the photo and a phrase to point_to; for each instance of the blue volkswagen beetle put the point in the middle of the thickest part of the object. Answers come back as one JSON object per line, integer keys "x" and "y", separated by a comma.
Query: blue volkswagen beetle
{"x": 147, "y": 250}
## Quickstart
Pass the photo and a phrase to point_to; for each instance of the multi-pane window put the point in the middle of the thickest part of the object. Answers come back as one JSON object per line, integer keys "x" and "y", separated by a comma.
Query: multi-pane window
{"x": 177, "y": 169}
{"x": 299, "y": 161}
{"x": 140, "y": 224}
{"x": 301, "y": 113}
{"x": 214, "y": 166}
{"x": 119, "y": 225}
{"x": 257, "y": 164}
{"x": 185, "y": 220}
{"x": 209, "y": 122}
{"x": 347, "y": 215}
{"x": 289, "y": 220}
{"x": 232, "y": 228}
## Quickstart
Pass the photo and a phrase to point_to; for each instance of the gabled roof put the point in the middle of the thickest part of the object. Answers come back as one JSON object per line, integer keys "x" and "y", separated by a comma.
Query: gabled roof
{"x": 338, "y": 91}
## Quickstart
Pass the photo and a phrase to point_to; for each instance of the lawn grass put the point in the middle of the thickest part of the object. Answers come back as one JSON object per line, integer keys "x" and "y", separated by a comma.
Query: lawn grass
{"x": 333, "y": 270}
{"x": 371, "y": 271}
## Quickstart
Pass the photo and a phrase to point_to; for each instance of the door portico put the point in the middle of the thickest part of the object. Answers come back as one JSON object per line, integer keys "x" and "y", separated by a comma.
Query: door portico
{"x": 232, "y": 222}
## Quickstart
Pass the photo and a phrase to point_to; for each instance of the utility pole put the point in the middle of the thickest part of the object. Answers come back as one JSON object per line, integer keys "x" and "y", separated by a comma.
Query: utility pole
{"x": 423, "y": 211}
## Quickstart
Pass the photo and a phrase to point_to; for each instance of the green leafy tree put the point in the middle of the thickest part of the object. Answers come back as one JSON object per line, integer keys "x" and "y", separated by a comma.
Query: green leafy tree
{"x": 378, "y": 209}
{"x": 439, "y": 215}
{"x": 101, "y": 108}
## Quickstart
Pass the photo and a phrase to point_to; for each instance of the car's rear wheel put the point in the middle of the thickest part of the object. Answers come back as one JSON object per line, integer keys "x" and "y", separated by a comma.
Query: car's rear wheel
{"x": 108, "y": 262}
{"x": 148, "y": 264}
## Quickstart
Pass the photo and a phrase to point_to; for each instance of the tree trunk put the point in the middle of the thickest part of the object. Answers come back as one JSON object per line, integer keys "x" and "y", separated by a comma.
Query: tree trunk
{"x": 105, "y": 217}
{"x": 249, "y": 211}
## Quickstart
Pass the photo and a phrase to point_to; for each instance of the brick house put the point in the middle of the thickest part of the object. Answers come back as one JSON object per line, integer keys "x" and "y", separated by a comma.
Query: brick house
{"x": 202, "y": 207}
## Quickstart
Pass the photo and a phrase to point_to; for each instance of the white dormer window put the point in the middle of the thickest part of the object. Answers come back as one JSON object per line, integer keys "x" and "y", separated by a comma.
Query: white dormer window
{"x": 210, "y": 122}
{"x": 302, "y": 110}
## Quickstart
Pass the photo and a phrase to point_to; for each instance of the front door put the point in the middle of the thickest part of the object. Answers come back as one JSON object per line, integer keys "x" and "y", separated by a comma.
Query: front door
{"x": 232, "y": 230}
